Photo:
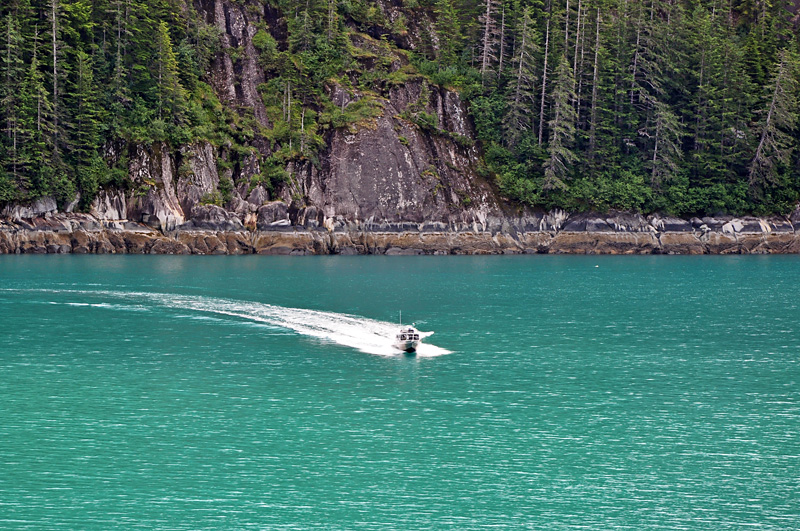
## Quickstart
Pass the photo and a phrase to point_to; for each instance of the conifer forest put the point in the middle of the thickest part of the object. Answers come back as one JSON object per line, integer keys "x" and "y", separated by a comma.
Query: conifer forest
{"x": 687, "y": 107}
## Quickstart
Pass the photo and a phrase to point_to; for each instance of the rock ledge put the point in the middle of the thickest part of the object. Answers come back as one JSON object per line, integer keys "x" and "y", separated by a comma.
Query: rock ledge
{"x": 280, "y": 230}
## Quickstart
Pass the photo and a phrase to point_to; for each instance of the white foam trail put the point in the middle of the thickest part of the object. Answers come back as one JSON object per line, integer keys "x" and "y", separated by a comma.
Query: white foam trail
{"x": 366, "y": 335}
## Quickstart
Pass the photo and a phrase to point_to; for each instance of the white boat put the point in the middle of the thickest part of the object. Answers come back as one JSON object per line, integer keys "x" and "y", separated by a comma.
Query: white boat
{"x": 407, "y": 339}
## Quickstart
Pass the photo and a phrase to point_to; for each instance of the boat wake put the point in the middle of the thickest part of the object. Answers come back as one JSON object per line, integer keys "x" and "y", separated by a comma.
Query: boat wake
{"x": 367, "y": 335}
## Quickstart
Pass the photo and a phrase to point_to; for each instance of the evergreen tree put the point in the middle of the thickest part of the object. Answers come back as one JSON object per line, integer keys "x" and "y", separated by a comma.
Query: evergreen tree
{"x": 666, "y": 140}
{"x": 12, "y": 69}
{"x": 84, "y": 130}
{"x": 702, "y": 118}
{"x": 560, "y": 154}
{"x": 302, "y": 30}
{"x": 447, "y": 28}
{"x": 775, "y": 131}
{"x": 171, "y": 94}
{"x": 8, "y": 189}
{"x": 521, "y": 90}
{"x": 734, "y": 111}
{"x": 117, "y": 11}
{"x": 36, "y": 126}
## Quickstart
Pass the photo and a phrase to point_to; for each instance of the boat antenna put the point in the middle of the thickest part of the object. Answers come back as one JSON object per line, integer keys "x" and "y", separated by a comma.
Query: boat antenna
{"x": 401, "y": 317}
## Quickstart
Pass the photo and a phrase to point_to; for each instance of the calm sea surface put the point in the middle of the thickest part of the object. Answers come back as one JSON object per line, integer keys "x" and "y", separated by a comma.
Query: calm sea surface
{"x": 261, "y": 393}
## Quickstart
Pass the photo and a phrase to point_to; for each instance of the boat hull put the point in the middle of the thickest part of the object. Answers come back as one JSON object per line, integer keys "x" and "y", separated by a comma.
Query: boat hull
{"x": 407, "y": 346}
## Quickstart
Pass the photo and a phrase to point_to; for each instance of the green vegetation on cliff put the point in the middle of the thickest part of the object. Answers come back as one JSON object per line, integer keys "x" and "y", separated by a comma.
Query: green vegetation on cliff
{"x": 684, "y": 106}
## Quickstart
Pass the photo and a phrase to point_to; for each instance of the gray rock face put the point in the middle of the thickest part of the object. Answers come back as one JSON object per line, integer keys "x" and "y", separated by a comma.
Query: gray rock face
{"x": 670, "y": 224}
{"x": 587, "y": 223}
{"x": 212, "y": 217}
{"x": 554, "y": 220}
{"x": 40, "y": 207}
{"x": 109, "y": 206}
{"x": 273, "y": 216}
{"x": 373, "y": 176}
{"x": 237, "y": 83}
{"x": 781, "y": 225}
{"x": 159, "y": 195}
{"x": 395, "y": 172}
{"x": 628, "y": 222}
{"x": 715, "y": 223}
{"x": 257, "y": 197}
{"x": 156, "y": 205}
{"x": 199, "y": 177}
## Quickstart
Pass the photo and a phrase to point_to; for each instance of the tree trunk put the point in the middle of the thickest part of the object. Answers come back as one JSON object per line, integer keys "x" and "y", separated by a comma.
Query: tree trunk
{"x": 118, "y": 65}
{"x": 303, "y": 131}
{"x": 502, "y": 41}
{"x": 700, "y": 103}
{"x": 8, "y": 101}
{"x": 577, "y": 38}
{"x": 331, "y": 13}
{"x": 655, "y": 156}
{"x": 521, "y": 59}
{"x": 635, "y": 60}
{"x": 54, "y": 7}
{"x": 38, "y": 95}
{"x": 593, "y": 125}
{"x": 160, "y": 77}
{"x": 622, "y": 26}
{"x": 577, "y": 102}
{"x": 487, "y": 41}
{"x": 544, "y": 76}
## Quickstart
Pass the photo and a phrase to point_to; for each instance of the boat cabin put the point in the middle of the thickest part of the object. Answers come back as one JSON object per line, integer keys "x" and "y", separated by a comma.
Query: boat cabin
{"x": 409, "y": 335}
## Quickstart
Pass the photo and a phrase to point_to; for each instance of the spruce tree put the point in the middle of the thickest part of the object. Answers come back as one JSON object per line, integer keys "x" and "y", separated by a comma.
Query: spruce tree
{"x": 171, "y": 94}
{"x": 117, "y": 11}
{"x": 36, "y": 126}
{"x": 666, "y": 141}
{"x": 521, "y": 94}
{"x": 447, "y": 29}
{"x": 84, "y": 126}
{"x": 560, "y": 154}
{"x": 776, "y": 129}
{"x": 12, "y": 70}
{"x": 701, "y": 116}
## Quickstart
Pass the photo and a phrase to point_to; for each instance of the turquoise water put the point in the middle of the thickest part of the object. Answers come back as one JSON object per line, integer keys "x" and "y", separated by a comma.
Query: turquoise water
{"x": 261, "y": 393}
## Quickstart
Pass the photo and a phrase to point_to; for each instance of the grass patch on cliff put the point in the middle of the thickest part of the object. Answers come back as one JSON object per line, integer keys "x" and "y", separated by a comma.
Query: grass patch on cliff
{"x": 355, "y": 114}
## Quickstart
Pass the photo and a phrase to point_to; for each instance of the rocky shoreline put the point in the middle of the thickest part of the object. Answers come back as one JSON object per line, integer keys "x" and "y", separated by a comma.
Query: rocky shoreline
{"x": 556, "y": 232}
